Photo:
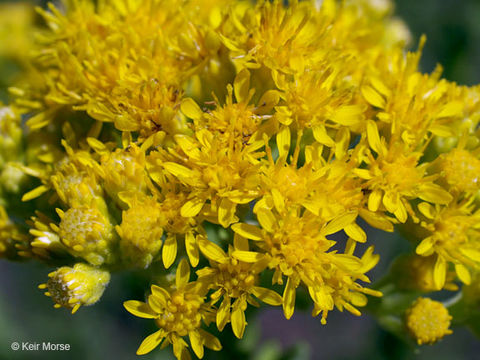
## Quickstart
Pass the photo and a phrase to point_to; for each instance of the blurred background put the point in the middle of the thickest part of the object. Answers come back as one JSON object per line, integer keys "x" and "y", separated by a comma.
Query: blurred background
{"x": 107, "y": 331}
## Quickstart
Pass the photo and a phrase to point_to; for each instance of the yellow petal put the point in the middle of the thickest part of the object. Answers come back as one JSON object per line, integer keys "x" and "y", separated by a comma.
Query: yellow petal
{"x": 348, "y": 115}
{"x": 266, "y": 219}
{"x": 463, "y": 274}
{"x": 356, "y": 232}
{"x": 439, "y": 273}
{"x": 268, "y": 101}
{"x": 162, "y": 294}
{"x": 352, "y": 309}
{"x": 182, "y": 275}
{"x": 192, "y": 207}
{"x": 289, "y": 299}
{"x": 192, "y": 249}
{"x": 268, "y": 296}
{"x": 376, "y": 220}
{"x": 380, "y": 86}
{"x": 283, "y": 141}
{"x": 401, "y": 212}
{"x": 339, "y": 223}
{"x": 156, "y": 303}
{"x": 226, "y": 212}
{"x": 278, "y": 200}
{"x": 178, "y": 170}
{"x": 374, "y": 200}
{"x": 212, "y": 251}
{"x": 452, "y": 109}
{"x": 238, "y": 320}
{"x": 191, "y": 109}
{"x": 434, "y": 193}
{"x": 373, "y": 97}
{"x": 248, "y": 256}
{"x": 196, "y": 342}
{"x": 35, "y": 193}
{"x": 150, "y": 342}
{"x": 441, "y": 130}
{"x": 140, "y": 309}
{"x": 427, "y": 210}
{"x": 320, "y": 134}
{"x": 391, "y": 200}
{"x": 189, "y": 146}
{"x": 471, "y": 253}
{"x": 248, "y": 231}
{"x": 358, "y": 299}
{"x": 223, "y": 313}
{"x": 373, "y": 136}
{"x": 169, "y": 252}
{"x": 241, "y": 86}
{"x": 210, "y": 341}
{"x": 425, "y": 247}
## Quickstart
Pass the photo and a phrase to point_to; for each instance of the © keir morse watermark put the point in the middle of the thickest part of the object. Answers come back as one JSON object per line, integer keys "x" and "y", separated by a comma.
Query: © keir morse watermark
{"x": 39, "y": 346}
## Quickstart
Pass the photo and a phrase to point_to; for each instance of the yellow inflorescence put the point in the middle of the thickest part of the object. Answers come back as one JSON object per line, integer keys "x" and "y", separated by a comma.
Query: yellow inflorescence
{"x": 82, "y": 285}
{"x": 178, "y": 313}
{"x": 428, "y": 321}
{"x": 247, "y": 140}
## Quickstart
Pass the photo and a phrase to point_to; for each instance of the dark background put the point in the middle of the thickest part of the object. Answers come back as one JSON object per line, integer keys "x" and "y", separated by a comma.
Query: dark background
{"x": 107, "y": 331}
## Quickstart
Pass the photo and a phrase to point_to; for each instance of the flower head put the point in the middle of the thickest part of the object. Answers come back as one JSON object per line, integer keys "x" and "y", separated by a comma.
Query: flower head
{"x": 178, "y": 313}
{"x": 82, "y": 285}
{"x": 428, "y": 321}
{"x": 234, "y": 281}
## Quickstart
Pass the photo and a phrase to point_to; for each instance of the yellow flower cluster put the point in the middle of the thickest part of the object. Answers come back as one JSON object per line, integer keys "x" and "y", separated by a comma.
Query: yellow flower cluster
{"x": 285, "y": 128}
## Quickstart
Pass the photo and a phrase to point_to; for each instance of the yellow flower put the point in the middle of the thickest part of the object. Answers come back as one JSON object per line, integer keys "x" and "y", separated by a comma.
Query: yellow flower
{"x": 428, "y": 321}
{"x": 73, "y": 177}
{"x": 296, "y": 246}
{"x": 178, "y": 313}
{"x": 236, "y": 123}
{"x": 460, "y": 168}
{"x": 122, "y": 170}
{"x": 325, "y": 188}
{"x": 452, "y": 236}
{"x": 225, "y": 177}
{"x": 270, "y": 34}
{"x": 46, "y": 241}
{"x": 87, "y": 232}
{"x": 394, "y": 176}
{"x": 82, "y": 285}
{"x": 235, "y": 281}
{"x": 319, "y": 100}
{"x": 141, "y": 231}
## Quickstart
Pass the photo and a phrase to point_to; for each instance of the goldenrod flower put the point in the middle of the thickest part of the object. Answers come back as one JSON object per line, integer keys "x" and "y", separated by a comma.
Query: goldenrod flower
{"x": 141, "y": 231}
{"x": 122, "y": 170}
{"x": 453, "y": 236}
{"x": 296, "y": 247}
{"x": 235, "y": 281}
{"x": 73, "y": 176}
{"x": 460, "y": 168}
{"x": 82, "y": 285}
{"x": 225, "y": 177}
{"x": 326, "y": 189}
{"x": 178, "y": 313}
{"x": 394, "y": 176}
{"x": 87, "y": 232}
{"x": 428, "y": 321}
